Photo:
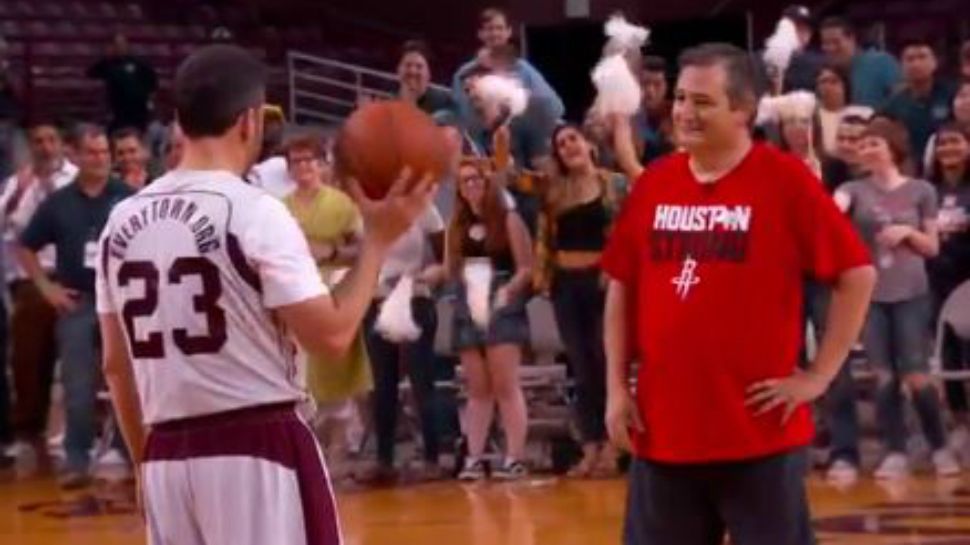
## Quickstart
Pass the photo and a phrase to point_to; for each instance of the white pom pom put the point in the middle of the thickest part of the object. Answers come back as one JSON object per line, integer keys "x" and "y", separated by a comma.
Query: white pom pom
{"x": 395, "y": 322}
{"x": 794, "y": 105}
{"x": 478, "y": 287}
{"x": 617, "y": 89}
{"x": 797, "y": 105}
{"x": 767, "y": 110}
{"x": 504, "y": 92}
{"x": 625, "y": 35}
{"x": 781, "y": 45}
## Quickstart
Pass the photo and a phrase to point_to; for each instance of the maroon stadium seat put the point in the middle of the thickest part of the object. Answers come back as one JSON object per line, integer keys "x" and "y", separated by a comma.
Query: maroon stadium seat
{"x": 39, "y": 30}
{"x": 24, "y": 9}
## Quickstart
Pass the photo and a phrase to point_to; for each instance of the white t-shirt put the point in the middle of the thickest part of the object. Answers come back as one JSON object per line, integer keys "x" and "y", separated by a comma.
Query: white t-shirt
{"x": 16, "y": 221}
{"x": 829, "y": 121}
{"x": 272, "y": 176}
{"x": 194, "y": 265}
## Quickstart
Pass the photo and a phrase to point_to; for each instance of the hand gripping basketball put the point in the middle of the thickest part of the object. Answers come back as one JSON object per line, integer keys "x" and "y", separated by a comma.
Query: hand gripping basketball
{"x": 387, "y": 218}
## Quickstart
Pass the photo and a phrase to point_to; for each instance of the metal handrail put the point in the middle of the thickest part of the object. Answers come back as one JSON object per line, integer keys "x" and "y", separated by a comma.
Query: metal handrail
{"x": 360, "y": 80}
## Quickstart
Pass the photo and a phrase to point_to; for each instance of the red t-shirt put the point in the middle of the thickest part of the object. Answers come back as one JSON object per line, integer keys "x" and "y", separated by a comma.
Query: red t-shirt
{"x": 715, "y": 273}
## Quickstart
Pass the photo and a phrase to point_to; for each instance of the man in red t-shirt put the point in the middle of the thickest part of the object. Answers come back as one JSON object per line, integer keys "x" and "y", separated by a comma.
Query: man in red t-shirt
{"x": 706, "y": 265}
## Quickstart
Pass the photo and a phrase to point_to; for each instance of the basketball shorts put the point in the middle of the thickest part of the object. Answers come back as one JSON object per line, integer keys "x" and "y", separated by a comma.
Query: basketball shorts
{"x": 755, "y": 502}
{"x": 249, "y": 477}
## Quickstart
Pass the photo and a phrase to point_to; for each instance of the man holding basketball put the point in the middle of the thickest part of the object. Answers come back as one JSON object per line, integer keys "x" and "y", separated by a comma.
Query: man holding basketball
{"x": 202, "y": 280}
{"x": 706, "y": 265}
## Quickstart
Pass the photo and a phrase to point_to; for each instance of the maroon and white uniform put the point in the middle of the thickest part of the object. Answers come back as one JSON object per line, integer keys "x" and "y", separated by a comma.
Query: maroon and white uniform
{"x": 193, "y": 265}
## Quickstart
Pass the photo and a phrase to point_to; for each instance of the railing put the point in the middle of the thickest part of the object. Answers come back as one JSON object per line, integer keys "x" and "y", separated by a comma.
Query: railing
{"x": 326, "y": 91}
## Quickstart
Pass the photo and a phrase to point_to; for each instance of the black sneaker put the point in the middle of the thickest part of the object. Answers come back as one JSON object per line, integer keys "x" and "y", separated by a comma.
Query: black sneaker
{"x": 474, "y": 470}
{"x": 512, "y": 470}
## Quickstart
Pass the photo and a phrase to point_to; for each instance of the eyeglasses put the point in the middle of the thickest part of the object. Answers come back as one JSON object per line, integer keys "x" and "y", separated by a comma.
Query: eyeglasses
{"x": 303, "y": 160}
{"x": 474, "y": 179}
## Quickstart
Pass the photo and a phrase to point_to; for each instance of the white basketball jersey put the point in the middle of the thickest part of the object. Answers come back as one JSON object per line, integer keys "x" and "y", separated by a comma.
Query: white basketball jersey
{"x": 193, "y": 266}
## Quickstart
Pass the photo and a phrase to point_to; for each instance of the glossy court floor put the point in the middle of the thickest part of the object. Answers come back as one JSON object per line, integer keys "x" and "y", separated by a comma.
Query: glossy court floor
{"x": 540, "y": 511}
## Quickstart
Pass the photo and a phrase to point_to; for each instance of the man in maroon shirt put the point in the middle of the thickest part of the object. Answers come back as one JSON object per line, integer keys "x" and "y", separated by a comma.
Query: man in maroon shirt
{"x": 706, "y": 266}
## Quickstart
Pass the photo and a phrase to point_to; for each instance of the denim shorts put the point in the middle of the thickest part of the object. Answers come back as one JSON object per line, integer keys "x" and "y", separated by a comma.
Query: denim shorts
{"x": 897, "y": 335}
{"x": 507, "y": 325}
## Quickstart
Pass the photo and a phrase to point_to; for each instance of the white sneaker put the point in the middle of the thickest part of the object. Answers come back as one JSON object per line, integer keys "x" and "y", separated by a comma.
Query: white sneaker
{"x": 17, "y": 450}
{"x": 842, "y": 472}
{"x": 112, "y": 458}
{"x": 959, "y": 439}
{"x": 945, "y": 463}
{"x": 894, "y": 466}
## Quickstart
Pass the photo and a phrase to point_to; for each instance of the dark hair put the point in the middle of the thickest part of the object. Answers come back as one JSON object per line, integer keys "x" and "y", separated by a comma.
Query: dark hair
{"x": 736, "y": 63}
{"x": 841, "y": 73}
{"x": 840, "y": 23}
{"x": 87, "y": 131}
{"x": 475, "y": 71}
{"x": 494, "y": 213}
{"x": 654, "y": 63}
{"x": 896, "y": 137}
{"x": 42, "y": 121}
{"x": 126, "y": 132}
{"x": 557, "y": 159}
{"x": 416, "y": 46}
{"x": 916, "y": 41}
{"x": 493, "y": 12}
{"x": 965, "y": 50}
{"x": 936, "y": 172}
{"x": 214, "y": 86}
{"x": 305, "y": 142}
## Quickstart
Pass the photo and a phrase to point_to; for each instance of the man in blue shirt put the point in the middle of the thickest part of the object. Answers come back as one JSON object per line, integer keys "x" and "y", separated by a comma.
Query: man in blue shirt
{"x": 71, "y": 220}
{"x": 925, "y": 101}
{"x": 531, "y": 134}
{"x": 875, "y": 74}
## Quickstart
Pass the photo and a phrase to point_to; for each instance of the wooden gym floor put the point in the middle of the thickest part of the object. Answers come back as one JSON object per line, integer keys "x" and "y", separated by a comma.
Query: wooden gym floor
{"x": 540, "y": 511}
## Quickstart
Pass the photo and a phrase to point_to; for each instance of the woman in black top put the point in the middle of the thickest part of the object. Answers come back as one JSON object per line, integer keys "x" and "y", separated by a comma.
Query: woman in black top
{"x": 951, "y": 176}
{"x": 578, "y": 206}
{"x": 487, "y": 238}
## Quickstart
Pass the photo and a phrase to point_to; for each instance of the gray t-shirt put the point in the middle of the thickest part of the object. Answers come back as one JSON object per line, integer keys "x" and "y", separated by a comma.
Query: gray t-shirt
{"x": 902, "y": 271}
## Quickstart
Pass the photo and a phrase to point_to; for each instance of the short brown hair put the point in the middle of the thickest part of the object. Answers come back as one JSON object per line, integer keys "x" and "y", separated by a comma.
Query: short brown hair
{"x": 895, "y": 135}
{"x": 736, "y": 62}
{"x": 654, "y": 63}
{"x": 305, "y": 142}
{"x": 416, "y": 46}
{"x": 840, "y": 23}
{"x": 493, "y": 12}
{"x": 126, "y": 132}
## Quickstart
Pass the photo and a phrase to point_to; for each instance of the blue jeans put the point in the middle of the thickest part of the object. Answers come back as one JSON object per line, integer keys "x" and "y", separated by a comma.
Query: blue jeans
{"x": 897, "y": 342}
{"x": 842, "y": 418}
{"x": 77, "y": 344}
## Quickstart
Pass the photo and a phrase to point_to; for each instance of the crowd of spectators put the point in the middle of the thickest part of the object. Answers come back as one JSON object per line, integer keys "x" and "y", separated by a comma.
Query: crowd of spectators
{"x": 530, "y": 199}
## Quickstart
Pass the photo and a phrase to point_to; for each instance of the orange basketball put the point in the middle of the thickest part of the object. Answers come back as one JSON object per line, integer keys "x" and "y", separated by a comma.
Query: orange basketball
{"x": 381, "y": 138}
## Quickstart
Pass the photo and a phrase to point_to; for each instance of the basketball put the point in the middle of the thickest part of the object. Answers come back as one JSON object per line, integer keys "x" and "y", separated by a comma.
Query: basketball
{"x": 381, "y": 138}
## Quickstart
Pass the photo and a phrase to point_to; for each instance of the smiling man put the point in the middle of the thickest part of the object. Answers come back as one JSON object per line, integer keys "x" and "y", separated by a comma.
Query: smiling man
{"x": 706, "y": 266}
{"x": 414, "y": 77}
